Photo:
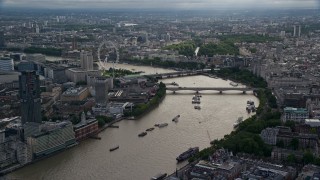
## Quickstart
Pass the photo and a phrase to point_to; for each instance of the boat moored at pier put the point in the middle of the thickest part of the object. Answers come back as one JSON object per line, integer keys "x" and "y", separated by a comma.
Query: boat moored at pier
{"x": 239, "y": 120}
{"x": 187, "y": 154}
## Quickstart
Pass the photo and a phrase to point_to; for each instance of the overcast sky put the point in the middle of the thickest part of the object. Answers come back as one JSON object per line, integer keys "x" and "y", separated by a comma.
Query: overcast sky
{"x": 176, "y": 4}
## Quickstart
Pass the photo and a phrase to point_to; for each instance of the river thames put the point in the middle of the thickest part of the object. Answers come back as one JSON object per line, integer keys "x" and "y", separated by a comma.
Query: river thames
{"x": 140, "y": 158}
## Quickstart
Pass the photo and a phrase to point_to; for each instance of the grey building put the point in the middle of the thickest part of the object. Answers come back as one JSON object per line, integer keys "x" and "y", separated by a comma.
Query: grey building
{"x": 56, "y": 73}
{"x": 101, "y": 88}
{"x": 86, "y": 60}
{"x": 269, "y": 135}
{"x": 29, "y": 90}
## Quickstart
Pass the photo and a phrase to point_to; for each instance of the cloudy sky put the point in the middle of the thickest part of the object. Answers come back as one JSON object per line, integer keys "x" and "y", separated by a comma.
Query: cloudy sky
{"x": 176, "y": 4}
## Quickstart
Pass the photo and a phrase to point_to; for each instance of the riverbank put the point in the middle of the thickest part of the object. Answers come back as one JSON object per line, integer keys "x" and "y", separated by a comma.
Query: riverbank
{"x": 19, "y": 166}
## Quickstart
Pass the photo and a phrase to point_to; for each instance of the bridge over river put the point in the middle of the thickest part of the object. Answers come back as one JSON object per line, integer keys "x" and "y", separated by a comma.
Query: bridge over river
{"x": 179, "y": 74}
{"x": 219, "y": 89}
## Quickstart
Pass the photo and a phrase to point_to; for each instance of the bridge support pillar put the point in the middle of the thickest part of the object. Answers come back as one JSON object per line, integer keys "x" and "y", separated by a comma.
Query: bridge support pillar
{"x": 197, "y": 92}
{"x": 174, "y": 92}
{"x": 220, "y": 92}
{"x": 244, "y": 92}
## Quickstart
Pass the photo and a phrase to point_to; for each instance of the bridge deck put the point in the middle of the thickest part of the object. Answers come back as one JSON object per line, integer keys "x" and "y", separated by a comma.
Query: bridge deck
{"x": 210, "y": 88}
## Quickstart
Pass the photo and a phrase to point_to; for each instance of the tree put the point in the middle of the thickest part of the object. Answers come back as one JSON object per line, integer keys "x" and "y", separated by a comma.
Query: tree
{"x": 75, "y": 119}
{"x": 101, "y": 122}
{"x": 291, "y": 158}
{"x": 294, "y": 143}
{"x": 44, "y": 118}
{"x": 308, "y": 157}
{"x": 280, "y": 144}
{"x": 290, "y": 124}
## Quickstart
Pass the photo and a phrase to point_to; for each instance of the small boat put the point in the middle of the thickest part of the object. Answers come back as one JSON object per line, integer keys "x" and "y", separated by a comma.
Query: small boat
{"x": 239, "y": 120}
{"x": 251, "y": 108}
{"x": 213, "y": 76}
{"x": 250, "y": 102}
{"x": 175, "y": 119}
{"x": 196, "y": 101}
{"x": 233, "y": 84}
{"x": 174, "y": 84}
{"x": 196, "y": 98}
{"x": 163, "y": 125}
{"x": 114, "y": 148}
{"x": 142, "y": 134}
{"x": 159, "y": 176}
{"x": 150, "y": 129}
{"x": 197, "y": 107}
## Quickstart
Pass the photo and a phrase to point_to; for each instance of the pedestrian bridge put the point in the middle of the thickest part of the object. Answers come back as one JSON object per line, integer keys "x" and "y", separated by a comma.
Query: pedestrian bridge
{"x": 219, "y": 89}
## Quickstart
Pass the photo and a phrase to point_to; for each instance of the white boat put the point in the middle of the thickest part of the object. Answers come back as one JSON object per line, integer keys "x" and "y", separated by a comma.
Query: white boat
{"x": 239, "y": 120}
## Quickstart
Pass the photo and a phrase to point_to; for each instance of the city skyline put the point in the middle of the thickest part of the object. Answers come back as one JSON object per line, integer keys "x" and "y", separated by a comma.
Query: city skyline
{"x": 165, "y": 4}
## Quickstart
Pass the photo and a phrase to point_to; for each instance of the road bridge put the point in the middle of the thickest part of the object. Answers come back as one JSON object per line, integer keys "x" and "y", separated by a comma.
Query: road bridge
{"x": 179, "y": 74}
{"x": 219, "y": 89}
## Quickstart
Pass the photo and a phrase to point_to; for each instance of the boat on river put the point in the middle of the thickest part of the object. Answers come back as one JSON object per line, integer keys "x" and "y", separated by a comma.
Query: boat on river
{"x": 163, "y": 125}
{"x": 233, "y": 84}
{"x": 150, "y": 129}
{"x": 187, "y": 154}
{"x": 142, "y": 134}
{"x": 251, "y": 108}
{"x": 197, "y": 107}
{"x": 213, "y": 76}
{"x": 159, "y": 176}
{"x": 196, "y": 101}
{"x": 114, "y": 148}
{"x": 250, "y": 102}
{"x": 175, "y": 119}
{"x": 239, "y": 120}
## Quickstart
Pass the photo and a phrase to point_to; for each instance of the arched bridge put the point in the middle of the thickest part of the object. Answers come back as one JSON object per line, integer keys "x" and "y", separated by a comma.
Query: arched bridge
{"x": 219, "y": 89}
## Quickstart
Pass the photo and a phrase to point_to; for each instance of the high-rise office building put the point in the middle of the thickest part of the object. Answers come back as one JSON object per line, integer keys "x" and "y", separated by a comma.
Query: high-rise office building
{"x": 296, "y": 31}
{"x": 86, "y": 60}
{"x": 2, "y": 43}
{"x": 101, "y": 88}
{"x": 29, "y": 90}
